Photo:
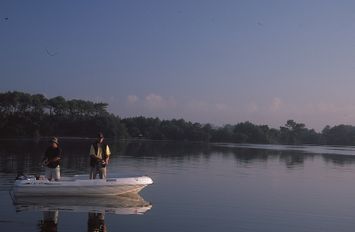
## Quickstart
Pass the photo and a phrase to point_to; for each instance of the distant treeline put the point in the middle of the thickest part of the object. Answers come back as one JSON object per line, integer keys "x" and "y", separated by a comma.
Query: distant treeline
{"x": 33, "y": 115}
{"x": 26, "y": 115}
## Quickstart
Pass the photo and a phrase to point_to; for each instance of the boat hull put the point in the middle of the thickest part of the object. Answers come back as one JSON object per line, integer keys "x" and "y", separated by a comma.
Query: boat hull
{"x": 81, "y": 187}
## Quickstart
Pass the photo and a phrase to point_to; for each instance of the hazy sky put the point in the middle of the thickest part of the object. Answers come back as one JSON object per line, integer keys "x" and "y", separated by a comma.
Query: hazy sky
{"x": 205, "y": 61}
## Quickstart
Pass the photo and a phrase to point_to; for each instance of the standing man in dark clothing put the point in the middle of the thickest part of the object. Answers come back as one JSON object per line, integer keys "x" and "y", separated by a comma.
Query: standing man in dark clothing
{"x": 99, "y": 157}
{"x": 51, "y": 160}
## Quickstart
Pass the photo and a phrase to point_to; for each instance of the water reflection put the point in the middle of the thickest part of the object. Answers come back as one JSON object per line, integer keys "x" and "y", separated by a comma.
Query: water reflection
{"x": 24, "y": 156}
{"x": 290, "y": 158}
{"x": 124, "y": 204}
{"x": 339, "y": 160}
{"x": 294, "y": 160}
{"x": 246, "y": 156}
{"x": 49, "y": 222}
{"x": 96, "y": 222}
{"x": 96, "y": 207}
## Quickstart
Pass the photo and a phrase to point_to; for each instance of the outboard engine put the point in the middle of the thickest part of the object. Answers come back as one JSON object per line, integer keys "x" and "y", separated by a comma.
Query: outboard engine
{"x": 20, "y": 176}
{"x": 24, "y": 177}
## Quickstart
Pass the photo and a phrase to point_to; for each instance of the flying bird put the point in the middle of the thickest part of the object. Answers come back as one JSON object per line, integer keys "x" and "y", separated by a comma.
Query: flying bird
{"x": 51, "y": 53}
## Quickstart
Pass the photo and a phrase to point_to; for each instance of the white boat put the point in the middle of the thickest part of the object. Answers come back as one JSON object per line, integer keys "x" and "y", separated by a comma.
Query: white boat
{"x": 79, "y": 185}
{"x": 124, "y": 204}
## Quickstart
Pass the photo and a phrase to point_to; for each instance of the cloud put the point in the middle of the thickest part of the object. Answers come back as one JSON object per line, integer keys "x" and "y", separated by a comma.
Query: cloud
{"x": 252, "y": 107}
{"x": 276, "y": 104}
{"x": 131, "y": 99}
{"x": 156, "y": 102}
{"x": 327, "y": 108}
{"x": 222, "y": 107}
{"x": 197, "y": 106}
{"x": 111, "y": 98}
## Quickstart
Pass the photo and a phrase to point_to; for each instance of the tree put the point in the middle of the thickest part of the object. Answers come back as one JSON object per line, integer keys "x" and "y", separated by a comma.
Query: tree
{"x": 58, "y": 105}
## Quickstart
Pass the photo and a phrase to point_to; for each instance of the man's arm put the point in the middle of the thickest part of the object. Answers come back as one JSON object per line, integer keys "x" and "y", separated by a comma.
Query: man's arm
{"x": 45, "y": 158}
{"x": 92, "y": 152}
{"x": 108, "y": 153}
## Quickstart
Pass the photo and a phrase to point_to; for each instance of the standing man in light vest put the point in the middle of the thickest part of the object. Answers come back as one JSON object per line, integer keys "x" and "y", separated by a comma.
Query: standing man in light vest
{"x": 99, "y": 157}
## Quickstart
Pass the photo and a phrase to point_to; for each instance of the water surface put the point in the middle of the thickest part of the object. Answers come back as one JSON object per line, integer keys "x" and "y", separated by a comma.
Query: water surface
{"x": 196, "y": 187}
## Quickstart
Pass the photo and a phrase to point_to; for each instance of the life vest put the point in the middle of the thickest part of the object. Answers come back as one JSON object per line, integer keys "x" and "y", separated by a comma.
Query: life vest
{"x": 93, "y": 161}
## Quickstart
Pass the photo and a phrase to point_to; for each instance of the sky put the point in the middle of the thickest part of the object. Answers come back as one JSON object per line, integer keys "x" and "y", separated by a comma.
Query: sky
{"x": 220, "y": 62}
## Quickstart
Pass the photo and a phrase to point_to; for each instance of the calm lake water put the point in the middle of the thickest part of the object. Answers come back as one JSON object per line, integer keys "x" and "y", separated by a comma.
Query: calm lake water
{"x": 197, "y": 187}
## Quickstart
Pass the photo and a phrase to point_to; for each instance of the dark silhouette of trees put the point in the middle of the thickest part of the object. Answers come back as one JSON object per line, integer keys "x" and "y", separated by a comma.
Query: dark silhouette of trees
{"x": 247, "y": 132}
{"x": 297, "y": 133}
{"x": 154, "y": 128}
{"x": 26, "y": 115}
{"x": 339, "y": 135}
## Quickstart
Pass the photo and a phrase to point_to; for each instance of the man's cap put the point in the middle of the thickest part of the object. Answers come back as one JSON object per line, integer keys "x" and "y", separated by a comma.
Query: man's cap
{"x": 55, "y": 140}
{"x": 100, "y": 135}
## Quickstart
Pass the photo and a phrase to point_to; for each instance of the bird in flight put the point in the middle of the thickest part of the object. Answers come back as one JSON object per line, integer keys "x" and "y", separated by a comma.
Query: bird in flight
{"x": 51, "y": 53}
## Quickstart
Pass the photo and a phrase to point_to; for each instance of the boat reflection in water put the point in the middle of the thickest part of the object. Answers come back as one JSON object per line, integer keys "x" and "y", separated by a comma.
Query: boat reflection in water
{"x": 96, "y": 222}
{"x": 123, "y": 204}
{"x": 96, "y": 207}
